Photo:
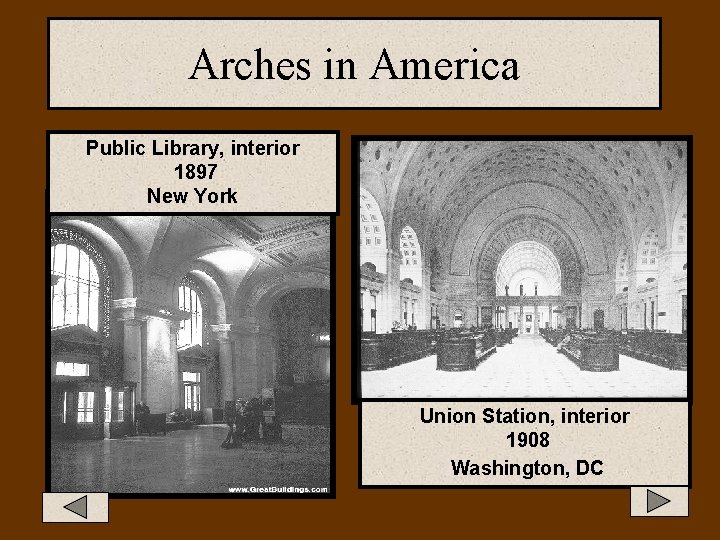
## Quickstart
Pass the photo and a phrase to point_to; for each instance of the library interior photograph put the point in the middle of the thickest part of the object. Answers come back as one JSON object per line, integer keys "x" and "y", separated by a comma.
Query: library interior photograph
{"x": 188, "y": 354}
{"x": 523, "y": 268}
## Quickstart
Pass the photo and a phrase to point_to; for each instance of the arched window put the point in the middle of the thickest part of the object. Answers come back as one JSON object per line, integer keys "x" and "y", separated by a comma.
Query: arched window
{"x": 621, "y": 271}
{"x": 647, "y": 256}
{"x": 373, "y": 243}
{"x": 531, "y": 267}
{"x": 411, "y": 264}
{"x": 680, "y": 238}
{"x": 191, "y": 330}
{"x": 80, "y": 283}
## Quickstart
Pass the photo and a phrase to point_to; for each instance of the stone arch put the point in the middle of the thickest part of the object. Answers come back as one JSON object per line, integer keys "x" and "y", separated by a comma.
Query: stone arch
{"x": 123, "y": 261}
{"x": 218, "y": 292}
{"x": 263, "y": 295}
{"x": 502, "y": 235}
{"x": 526, "y": 262}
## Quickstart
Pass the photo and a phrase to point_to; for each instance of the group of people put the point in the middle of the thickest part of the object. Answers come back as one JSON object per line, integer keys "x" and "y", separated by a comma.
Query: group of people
{"x": 142, "y": 411}
{"x": 243, "y": 423}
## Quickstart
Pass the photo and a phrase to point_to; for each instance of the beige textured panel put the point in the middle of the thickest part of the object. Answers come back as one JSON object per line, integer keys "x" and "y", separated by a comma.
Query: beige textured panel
{"x": 650, "y": 449}
{"x": 304, "y": 182}
{"x": 96, "y": 506}
{"x": 561, "y": 63}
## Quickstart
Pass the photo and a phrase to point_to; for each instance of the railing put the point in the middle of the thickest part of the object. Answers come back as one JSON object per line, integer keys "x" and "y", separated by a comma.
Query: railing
{"x": 505, "y": 337}
{"x": 463, "y": 351}
{"x": 656, "y": 347}
{"x": 553, "y": 335}
{"x": 591, "y": 351}
{"x": 381, "y": 351}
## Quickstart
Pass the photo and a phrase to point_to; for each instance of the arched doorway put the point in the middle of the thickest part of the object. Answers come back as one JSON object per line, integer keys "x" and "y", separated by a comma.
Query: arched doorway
{"x": 301, "y": 322}
{"x": 528, "y": 268}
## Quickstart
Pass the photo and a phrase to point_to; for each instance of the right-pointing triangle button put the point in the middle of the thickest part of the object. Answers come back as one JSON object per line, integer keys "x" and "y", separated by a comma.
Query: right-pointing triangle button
{"x": 655, "y": 500}
{"x": 659, "y": 501}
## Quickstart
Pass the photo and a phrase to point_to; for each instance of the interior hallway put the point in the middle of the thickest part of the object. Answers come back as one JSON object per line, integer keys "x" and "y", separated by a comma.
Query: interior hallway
{"x": 191, "y": 462}
{"x": 528, "y": 368}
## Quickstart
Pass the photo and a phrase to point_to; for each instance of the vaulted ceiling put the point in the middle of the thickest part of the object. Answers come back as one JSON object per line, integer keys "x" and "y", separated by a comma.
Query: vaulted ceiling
{"x": 233, "y": 255}
{"x": 470, "y": 200}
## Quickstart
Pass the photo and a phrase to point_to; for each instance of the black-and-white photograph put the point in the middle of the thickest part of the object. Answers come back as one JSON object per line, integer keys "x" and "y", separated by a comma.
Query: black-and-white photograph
{"x": 191, "y": 354}
{"x": 520, "y": 268}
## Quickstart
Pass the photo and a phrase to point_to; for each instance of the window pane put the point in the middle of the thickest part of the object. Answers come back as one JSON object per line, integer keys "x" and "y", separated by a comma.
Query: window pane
{"x": 71, "y": 303}
{"x": 84, "y": 272}
{"x": 59, "y": 258}
{"x": 198, "y": 329}
{"x": 86, "y": 402}
{"x": 120, "y": 399}
{"x": 73, "y": 261}
{"x": 58, "y": 304}
{"x": 81, "y": 370}
{"x": 94, "y": 309}
{"x": 83, "y": 303}
{"x": 108, "y": 403}
{"x": 190, "y": 331}
{"x": 94, "y": 278}
{"x": 75, "y": 295}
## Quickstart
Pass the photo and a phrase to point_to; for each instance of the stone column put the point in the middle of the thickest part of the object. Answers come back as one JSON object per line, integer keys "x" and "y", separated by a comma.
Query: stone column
{"x": 666, "y": 301}
{"x": 550, "y": 316}
{"x": 422, "y": 315}
{"x": 132, "y": 356}
{"x": 363, "y": 292}
{"x": 163, "y": 377}
{"x": 267, "y": 359}
{"x": 245, "y": 360}
{"x": 225, "y": 358}
{"x": 635, "y": 312}
{"x": 535, "y": 319}
{"x": 151, "y": 337}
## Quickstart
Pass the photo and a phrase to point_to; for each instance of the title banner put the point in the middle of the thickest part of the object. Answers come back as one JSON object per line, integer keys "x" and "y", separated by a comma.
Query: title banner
{"x": 354, "y": 63}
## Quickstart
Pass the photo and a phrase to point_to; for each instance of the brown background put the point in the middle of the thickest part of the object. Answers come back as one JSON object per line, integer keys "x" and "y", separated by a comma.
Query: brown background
{"x": 688, "y": 108}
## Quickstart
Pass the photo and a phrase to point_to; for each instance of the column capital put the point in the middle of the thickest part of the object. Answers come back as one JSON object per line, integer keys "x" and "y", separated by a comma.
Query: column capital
{"x": 141, "y": 310}
{"x": 222, "y": 331}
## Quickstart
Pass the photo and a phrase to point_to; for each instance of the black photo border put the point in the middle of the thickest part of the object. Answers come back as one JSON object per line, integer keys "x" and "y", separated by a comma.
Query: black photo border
{"x": 332, "y": 493}
{"x": 355, "y": 390}
{"x": 308, "y": 18}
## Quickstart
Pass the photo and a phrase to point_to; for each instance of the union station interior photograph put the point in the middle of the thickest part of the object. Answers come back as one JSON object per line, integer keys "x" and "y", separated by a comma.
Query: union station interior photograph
{"x": 189, "y": 354}
{"x": 523, "y": 268}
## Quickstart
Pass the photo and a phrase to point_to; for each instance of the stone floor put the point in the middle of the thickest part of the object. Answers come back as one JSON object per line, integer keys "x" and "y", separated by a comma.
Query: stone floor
{"x": 529, "y": 368}
{"x": 192, "y": 462}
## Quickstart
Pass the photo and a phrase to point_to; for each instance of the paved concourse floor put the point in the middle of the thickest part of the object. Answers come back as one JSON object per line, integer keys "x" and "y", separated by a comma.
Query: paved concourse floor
{"x": 192, "y": 462}
{"x": 528, "y": 368}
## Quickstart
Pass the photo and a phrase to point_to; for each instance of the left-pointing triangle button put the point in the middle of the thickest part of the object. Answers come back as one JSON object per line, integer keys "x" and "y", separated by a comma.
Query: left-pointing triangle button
{"x": 75, "y": 508}
{"x": 78, "y": 506}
